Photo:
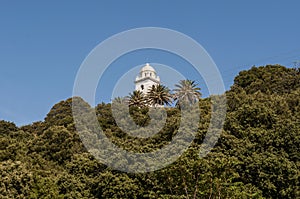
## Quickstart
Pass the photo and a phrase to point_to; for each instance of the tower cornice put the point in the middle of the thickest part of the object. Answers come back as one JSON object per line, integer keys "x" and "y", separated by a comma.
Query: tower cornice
{"x": 146, "y": 78}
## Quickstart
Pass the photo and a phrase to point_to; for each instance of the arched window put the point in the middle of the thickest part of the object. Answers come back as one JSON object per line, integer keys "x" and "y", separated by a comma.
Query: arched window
{"x": 142, "y": 87}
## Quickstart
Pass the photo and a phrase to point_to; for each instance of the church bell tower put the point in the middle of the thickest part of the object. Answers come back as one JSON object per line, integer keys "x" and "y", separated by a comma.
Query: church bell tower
{"x": 146, "y": 78}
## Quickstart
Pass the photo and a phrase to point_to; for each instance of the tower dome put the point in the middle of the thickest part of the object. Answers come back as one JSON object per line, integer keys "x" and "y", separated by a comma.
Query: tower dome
{"x": 146, "y": 78}
{"x": 147, "y": 67}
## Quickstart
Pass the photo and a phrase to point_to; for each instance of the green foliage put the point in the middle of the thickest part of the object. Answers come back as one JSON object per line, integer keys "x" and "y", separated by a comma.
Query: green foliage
{"x": 187, "y": 92}
{"x": 15, "y": 180}
{"x": 257, "y": 155}
{"x": 269, "y": 79}
{"x": 137, "y": 99}
{"x": 56, "y": 144}
{"x": 117, "y": 185}
{"x": 61, "y": 115}
{"x": 6, "y": 127}
{"x": 159, "y": 95}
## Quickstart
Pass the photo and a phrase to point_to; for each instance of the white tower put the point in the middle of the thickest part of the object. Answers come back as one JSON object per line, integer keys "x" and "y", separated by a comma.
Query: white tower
{"x": 146, "y": 78}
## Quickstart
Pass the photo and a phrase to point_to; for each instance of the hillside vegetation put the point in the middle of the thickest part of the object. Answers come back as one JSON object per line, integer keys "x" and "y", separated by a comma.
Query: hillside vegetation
{"x": 257, "y": 155}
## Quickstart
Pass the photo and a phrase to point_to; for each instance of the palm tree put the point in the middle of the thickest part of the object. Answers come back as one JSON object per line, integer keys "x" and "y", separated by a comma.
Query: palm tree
{"x": 186, "y": 92}
{"x": 136, "y": 98}
{"x": 159, "y": 95}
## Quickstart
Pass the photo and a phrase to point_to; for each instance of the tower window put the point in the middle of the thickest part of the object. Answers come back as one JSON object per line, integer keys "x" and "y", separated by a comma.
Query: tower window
{"x": 142, "y": 87}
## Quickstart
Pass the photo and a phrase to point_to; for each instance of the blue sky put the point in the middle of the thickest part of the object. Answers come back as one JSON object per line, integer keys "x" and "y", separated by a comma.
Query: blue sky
{"x": 43, "y": 43}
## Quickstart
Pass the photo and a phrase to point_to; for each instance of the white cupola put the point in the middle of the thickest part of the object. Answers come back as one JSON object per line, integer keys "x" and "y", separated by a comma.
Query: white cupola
{"x": 146, "y": 78}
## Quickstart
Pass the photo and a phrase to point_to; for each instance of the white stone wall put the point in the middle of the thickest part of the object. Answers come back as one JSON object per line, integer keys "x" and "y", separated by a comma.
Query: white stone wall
{"x": 146, "y": 78}
{"x": 146, "y": 83}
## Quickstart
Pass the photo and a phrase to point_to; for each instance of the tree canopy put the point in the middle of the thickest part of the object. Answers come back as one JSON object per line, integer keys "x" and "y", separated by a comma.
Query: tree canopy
{"x": 257, "y": 155}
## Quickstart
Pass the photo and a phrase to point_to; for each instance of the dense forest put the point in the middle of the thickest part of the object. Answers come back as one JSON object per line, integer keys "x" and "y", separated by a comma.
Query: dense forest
{"x": 256, "y": 156}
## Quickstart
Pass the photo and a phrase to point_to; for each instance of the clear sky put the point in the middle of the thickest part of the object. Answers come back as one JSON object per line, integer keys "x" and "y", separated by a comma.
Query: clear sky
{"x": 43, "y": 43}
